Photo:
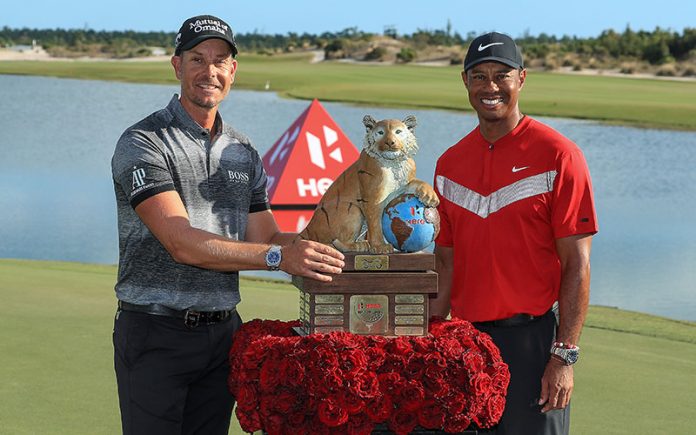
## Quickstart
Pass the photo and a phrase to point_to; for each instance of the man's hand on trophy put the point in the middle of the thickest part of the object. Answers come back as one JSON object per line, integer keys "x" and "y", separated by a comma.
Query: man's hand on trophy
{"x": 311, "y": 259}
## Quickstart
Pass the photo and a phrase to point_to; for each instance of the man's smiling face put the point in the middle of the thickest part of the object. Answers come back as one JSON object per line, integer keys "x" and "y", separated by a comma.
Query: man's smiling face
{"x": 494, "y": 89}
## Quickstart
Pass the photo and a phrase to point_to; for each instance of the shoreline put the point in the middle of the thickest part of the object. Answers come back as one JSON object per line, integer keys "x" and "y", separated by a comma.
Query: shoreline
{"x": 317, "y": 56}
{"x": 610, "y": 98}
{"x": 600, "y": 318}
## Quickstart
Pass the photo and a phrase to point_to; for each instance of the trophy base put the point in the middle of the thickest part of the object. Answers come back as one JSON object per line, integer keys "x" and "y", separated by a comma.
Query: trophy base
{"x": 375, "y": 295}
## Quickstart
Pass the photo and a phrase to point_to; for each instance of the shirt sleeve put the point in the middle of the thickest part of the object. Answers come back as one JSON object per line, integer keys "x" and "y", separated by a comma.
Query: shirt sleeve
{"x": 573, "y": 209}
{"x": 139, "y": 168}
{"x": 259, "y": 194}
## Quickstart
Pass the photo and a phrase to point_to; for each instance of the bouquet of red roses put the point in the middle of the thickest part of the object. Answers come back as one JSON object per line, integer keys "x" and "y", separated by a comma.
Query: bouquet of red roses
{"x": 345, "y": 383}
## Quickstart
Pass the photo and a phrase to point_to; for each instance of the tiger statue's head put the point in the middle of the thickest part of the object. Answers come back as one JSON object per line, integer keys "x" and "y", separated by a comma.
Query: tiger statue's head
{"x": 390, "y": 141}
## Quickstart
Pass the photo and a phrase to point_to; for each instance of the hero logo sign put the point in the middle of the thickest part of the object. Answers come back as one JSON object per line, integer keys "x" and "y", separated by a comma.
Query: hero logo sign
{"x": 314, "y": 186}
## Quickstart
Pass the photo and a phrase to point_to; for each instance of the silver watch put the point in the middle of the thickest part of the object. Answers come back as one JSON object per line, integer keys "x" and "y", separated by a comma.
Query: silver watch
{"x": 273, "y": 257}
{"x": 568, "y": 354}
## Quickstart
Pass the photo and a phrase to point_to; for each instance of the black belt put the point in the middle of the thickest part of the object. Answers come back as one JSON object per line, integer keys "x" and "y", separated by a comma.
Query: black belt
{"x": 516, "y": 320}
{"x": 191, "y": 318}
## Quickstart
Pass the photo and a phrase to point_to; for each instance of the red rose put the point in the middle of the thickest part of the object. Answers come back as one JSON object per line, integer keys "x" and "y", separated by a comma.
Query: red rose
{"x": 494, "y": 409}
{"x": 457, "y": 423}
{"x": 399, "y": 346}
{"x": 415, "y": 367}
{"x": 436, "y": 387}
{"x": 326, "y": 382}
{"x": 431, "y": 415}
{"x": 393, "y": 364}
{"x": 331, "y": 413}
{"x": 423, "y": 345}
{"x": 480, "y": 384}
{"x": 252, "y": 357}
{"x": 375, "y": 357}
{"x": 411, "y": 396}
{"x": 274, "y": 424}
{"x": 266, "y": 405}
{"x": 284, "y": 401}
{"x": 455, "y": 403}
{"x": 391, "y": 384}
{"x": 270, "y": 375}
{"x": 485, "y": 342}
{"x": 291, "y": 371}
{"x": 250, "y": 421}
{"x": 467, "y": 340}
{"x": 247, "y": 397}
{"x": 402, "y": 422}
{"x": 501, "y": 379}
{"x": 296, "y": 419}
{"x": 317, "y": 427}
{"x": 352, "y": 403}
{"x": 365, "y": 386}
{"x": 379, "y": 409}
{"x": 352, "y": 361}
{"x": 474, "y": 361}
{"x": 450, "y": 347}
{"x": 343, "y": 341}
{"x": 360, "y": 424}
{"x": 435, "y": 360}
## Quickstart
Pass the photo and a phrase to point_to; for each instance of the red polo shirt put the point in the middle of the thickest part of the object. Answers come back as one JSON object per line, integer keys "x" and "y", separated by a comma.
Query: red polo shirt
{"x": 503, "y": 206}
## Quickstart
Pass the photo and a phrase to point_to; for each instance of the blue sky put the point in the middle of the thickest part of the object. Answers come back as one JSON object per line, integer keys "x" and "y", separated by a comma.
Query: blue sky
{"x": 555, "y": 17}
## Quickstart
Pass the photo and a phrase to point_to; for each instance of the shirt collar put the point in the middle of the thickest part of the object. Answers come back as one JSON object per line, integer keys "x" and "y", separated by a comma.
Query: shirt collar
{"x": 185, "y": 119}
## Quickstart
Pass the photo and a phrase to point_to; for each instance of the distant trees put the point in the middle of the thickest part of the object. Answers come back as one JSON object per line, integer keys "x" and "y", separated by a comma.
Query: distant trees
{"x": 80, "y": 41}
{"x": 657, "y": 47}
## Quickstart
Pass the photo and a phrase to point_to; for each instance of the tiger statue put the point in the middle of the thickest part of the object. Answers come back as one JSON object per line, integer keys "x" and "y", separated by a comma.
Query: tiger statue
{"x": 357, "y": 198}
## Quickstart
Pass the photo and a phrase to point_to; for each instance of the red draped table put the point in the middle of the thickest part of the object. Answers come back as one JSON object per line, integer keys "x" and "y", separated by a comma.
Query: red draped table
{"x": 451, "y": 380}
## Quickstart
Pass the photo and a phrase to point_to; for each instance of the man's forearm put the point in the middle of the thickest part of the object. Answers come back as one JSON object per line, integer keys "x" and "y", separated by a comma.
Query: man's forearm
{"x": 573, "y": 301}
{"x": 210, "y": 251}
{"x": 574, "y": 294}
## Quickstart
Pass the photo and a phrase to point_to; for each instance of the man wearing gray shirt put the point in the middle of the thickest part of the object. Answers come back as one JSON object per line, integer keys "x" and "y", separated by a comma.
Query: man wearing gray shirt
{"x": 192, "y": 212}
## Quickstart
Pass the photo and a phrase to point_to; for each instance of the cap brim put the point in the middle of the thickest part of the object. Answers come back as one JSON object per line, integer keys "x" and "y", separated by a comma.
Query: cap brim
{"x": 192, "y": 43}
{"x": 507, "y": 62}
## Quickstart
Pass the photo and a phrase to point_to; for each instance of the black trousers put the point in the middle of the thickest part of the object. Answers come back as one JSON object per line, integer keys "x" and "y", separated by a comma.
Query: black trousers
{"x": 172, "y": 379}
{"x": 525, "y": 349}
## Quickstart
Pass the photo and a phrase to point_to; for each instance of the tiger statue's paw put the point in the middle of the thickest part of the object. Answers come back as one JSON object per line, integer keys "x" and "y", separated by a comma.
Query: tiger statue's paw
{"x": 382, "y": 248}
{"x": 427, "y": 195}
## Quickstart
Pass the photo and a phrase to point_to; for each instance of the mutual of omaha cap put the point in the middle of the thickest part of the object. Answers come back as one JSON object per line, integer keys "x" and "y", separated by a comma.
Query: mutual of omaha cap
{"x": 495, "y": 47}
{"x": 197, "y": 29}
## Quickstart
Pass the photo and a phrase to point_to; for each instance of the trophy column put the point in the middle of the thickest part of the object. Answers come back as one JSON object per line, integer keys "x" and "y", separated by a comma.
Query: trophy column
{"x": 375, "y": 295}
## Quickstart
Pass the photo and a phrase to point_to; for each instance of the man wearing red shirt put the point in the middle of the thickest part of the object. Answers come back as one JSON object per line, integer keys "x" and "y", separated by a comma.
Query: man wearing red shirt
{"x": 517, "y": 215}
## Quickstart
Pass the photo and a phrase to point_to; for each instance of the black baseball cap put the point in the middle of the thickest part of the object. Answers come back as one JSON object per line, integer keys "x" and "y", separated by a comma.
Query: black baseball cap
{"x": 197, "y": 29}
{"x": 496, "y": 47}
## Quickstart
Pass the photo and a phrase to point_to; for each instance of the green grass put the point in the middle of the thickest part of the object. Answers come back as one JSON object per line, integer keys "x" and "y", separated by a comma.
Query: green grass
{"x": 645, "y": 102}
{"x": 636, "y": 374}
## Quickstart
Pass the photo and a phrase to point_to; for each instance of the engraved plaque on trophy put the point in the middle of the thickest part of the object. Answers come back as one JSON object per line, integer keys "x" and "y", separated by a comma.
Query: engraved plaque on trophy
{"x": 375, "y": 295}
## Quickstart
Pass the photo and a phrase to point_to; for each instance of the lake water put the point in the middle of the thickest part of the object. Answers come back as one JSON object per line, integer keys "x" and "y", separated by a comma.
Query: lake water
{"x": 57, "y": 201}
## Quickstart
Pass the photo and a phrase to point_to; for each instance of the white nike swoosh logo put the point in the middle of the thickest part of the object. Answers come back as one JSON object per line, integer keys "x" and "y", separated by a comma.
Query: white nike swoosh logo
{"x": 516, "y": 169}
{"x": 483, "y": 47}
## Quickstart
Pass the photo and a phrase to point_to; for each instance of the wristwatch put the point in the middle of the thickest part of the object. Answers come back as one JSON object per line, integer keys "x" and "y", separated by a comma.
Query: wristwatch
{"x": 569, "y": 353}
{"x": 273, "y": 257}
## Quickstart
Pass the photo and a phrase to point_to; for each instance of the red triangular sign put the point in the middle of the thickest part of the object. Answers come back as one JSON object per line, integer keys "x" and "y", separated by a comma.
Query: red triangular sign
{"x": 303, "y": 163}
{"x": 307, "y": 158}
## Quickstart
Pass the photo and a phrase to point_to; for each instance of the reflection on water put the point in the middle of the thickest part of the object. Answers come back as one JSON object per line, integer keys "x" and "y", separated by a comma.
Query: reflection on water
{"x": 56, "y": 196}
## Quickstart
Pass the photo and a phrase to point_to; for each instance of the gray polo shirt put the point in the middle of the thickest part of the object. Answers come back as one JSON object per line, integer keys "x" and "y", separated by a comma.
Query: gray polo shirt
{"x": 220, "y": 182}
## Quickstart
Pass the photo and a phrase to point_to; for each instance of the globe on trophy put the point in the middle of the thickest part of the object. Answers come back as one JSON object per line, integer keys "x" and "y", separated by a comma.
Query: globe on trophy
{"x": 408, "y": 224}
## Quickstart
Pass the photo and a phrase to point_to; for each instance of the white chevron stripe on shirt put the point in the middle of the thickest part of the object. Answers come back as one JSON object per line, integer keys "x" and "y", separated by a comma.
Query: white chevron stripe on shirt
{"x": 483, "y": 206}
